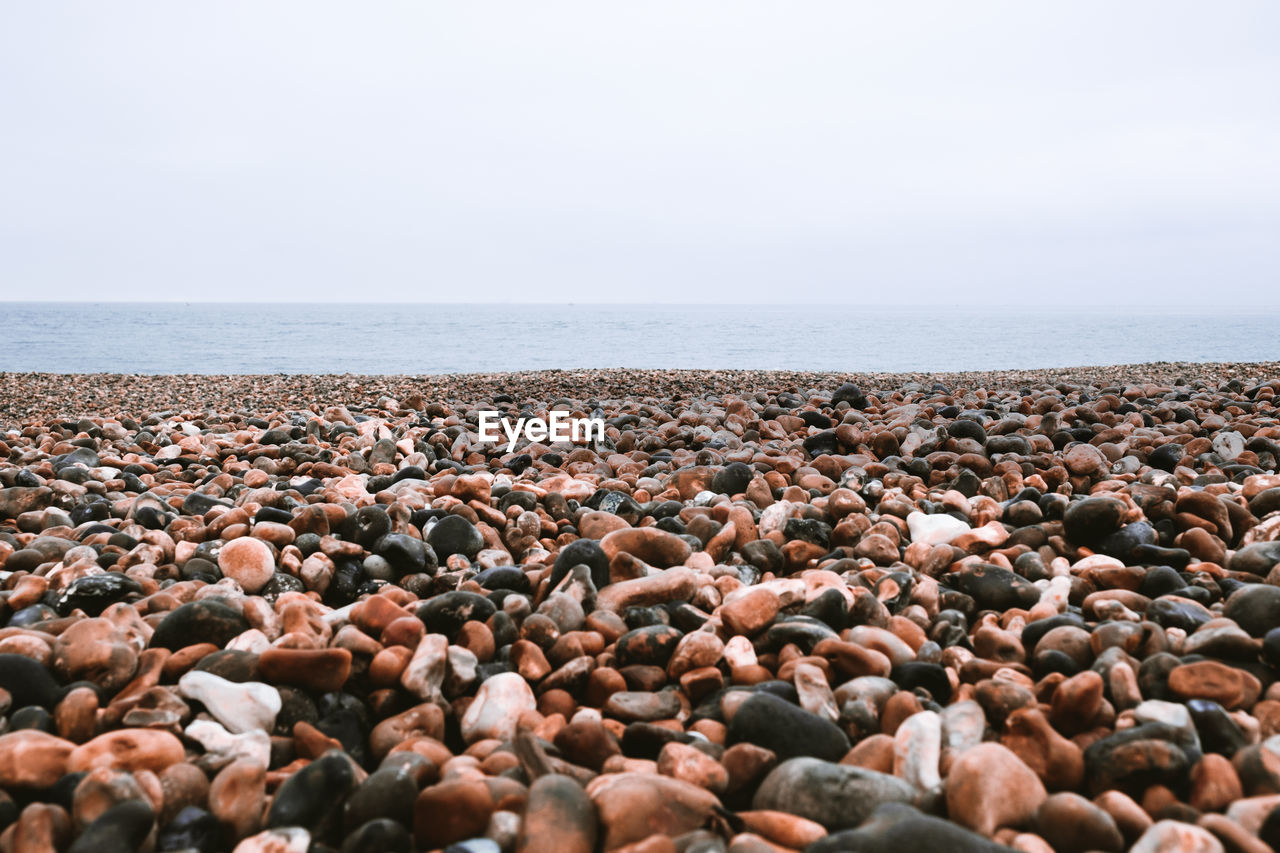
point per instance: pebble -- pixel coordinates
(989, 787)
(835, 795)
(559, 818)
(244, 707)
(248, 562)
(499, 703)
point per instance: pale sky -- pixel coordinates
(696, 151)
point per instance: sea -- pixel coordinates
(273, 338)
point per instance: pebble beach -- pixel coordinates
(771, 611)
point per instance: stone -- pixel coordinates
(1255, 608)
(749, 613)
(288, 839)
(497, 708)
(95, 593)
(205, 621)
(940, 529)
(424, 675)
(1214, 784)
(1131, 760)
(236, 795)
(1166, 835)
(239, 707)
(1072, 824)
(28, 682)
(995, 588)
(917, 747)
(898, 827)
(247, 561)
(192, 828)
(388, 792)
(633, 806)
(321, 670)
(446, 613)
(453, 534)
(988, 787)
(1058, 761)
(1258, 558)
(382, 834)
(30, 758)
(642, 706)
(252, 746)
(451, 811)
(1230, 687)
(1091, 520)
(835, 795)
(120, 829)
(676, 584)
(127, 749)
(785, 729)
(650, 545)
(558, 818)
(95, 650)
(688, 764)
(313, 792)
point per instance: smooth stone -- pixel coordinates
(388, 792)
(1258, 558)
(497, 707)
(95, 593)
(838, 796)
(651, 645)
(787, 730)
(559, 817)
(938, 529)
(989, 787)
(453, 534)
(1255, 608)
(917, 747)
(247, 561)
(321, 670)
(448, 612)
(995, 588)
(203, 621)
(1089, 521)
(240, 707)
(312, 793)
(451, 811)
(120, 829)
(642, 706)
(192, 828)
(382, 834)
(128, 749)
(1170, 835)
(287, 839)
(633, 806)
(27, 682)
(1130, 762)
(1072, 824)
(897, 828)
(251, 746)
(30, 758)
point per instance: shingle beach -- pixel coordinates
(1036, 610)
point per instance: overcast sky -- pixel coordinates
(869, 152)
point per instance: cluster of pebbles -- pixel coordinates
(769, 612)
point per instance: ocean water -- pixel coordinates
(420, 339)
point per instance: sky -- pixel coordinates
(1016, 153)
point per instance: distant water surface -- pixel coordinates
(110, 337)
